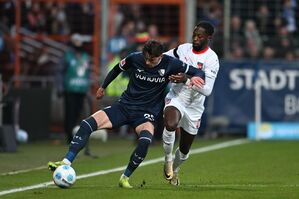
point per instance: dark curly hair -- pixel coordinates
(209, 28)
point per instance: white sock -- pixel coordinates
(66, 161)
(124, 176)
(168, 142)
(179, 158)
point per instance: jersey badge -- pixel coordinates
(199, 65)
(161, 72)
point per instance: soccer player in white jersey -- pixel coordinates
(184, 105)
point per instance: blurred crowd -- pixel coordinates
(258, 28)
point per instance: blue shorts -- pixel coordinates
(120, 115)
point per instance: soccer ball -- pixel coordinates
(100, 134)
(64, 176)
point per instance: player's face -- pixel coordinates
(152, 61)
(199, 39)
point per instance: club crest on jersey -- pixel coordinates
(161, 72)
(199, 65)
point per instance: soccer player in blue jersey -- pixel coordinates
(139, 104)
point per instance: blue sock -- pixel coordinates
(138, 155)
(87, 126)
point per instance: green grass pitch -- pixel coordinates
(255, 169)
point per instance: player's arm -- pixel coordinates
(113, 73)
(210, 77)
(173, 53)
(197, 75)
(178, 78)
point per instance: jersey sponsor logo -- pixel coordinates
(149, 116)
(161, 72)
(199, 65)
(150, 79)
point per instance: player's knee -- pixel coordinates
(170, 125)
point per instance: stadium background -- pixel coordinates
(251, 35)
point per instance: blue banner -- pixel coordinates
(277, 130)
(234, 95)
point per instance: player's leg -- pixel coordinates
(181, 154)
(172, 117)
(87, 126)
(145, 132)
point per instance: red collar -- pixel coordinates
(201, 51)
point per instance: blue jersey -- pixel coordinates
(146, 87)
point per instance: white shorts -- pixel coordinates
(190, 119)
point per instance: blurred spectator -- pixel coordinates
(7, 14)
(236, 38)
(59, 24)
(210, 10)
(283, 42)
(290, 56)
(80, 17)
(36, 18)
(268, 53)
(264, 22)
(288, 13)
(124, 38)
(75, 77)
(236, 33)
(236, 53)
(253, 39)
(153, 31)
(215, 14)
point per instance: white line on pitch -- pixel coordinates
(243, 185)
(23, 171)
(148, 162)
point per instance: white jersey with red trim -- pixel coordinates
(193, 98)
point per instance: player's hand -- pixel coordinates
(178, 78)
(100, 93)
(197, 81)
